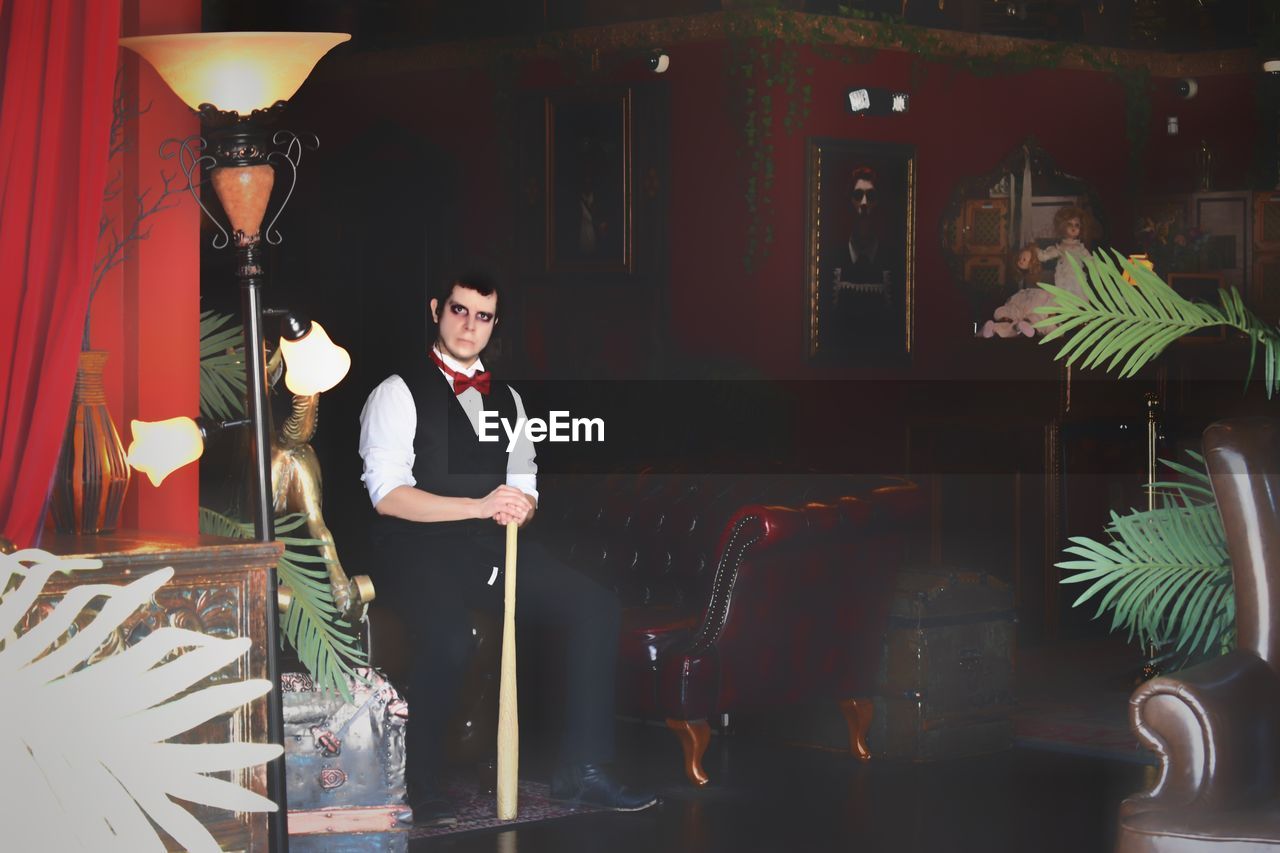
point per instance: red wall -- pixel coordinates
(962, 125)
(984, 461)
(147, 312)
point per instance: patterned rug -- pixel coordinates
(480, 811)
(1096, 725)
(1074, 697)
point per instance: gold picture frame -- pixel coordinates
(589, 221)
(860, 254)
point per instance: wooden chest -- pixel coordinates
(947, 677)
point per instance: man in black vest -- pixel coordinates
(443, 499)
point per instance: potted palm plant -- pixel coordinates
(1163, 574)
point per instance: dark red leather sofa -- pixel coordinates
(740, 593)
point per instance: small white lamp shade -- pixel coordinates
(313, 363)
(161, 447)
(234, 71)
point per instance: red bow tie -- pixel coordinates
(461, 381)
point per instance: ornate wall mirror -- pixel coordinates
(1007, 229)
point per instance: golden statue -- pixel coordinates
(296, 487)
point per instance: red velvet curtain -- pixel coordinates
(58, 60)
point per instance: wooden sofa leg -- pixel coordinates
(694, 736)
(857, 713)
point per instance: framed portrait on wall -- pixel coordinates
(592, 183)
(860, 258)
(589, 182)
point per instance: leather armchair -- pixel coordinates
(1216, 726)
(741, 593)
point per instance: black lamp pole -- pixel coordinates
(255, 374)
(234, 143)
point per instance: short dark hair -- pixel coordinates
(475, 276)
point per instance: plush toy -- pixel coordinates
(1018, 316)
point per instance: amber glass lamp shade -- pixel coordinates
(239, 72)
(161, 447)
(243, 192)
(313, 363)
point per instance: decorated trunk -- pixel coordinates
(948, 667)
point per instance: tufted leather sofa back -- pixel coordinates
(656, 538)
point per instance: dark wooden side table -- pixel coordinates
(219, 588)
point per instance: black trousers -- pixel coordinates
(434, 579)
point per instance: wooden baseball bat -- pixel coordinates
(508, 717)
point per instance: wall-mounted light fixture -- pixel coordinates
(876, 102)
(161, 447)
(313, 364)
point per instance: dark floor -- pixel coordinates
(768, 796)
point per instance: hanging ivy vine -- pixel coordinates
(763, 61)
(763, 55)
(771, 88)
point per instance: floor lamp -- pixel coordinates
(239, 83)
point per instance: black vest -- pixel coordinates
(449, 458)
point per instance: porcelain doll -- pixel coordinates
(1071, 225)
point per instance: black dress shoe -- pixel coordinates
(434, 810)
(590, 784)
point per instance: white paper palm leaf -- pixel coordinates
(82, 745)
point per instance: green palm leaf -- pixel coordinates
(324, 641)
(1122, 327)
(1165, 575)
(221, 366)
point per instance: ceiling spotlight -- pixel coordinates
(876, 102)
(659, 61)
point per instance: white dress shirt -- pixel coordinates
(389, 421)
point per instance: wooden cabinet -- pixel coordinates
(1264, 286)
(1225, 218)
(985, 274)
(986, 226)
(1266, 222)
(219, 588)
(1227, 245)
